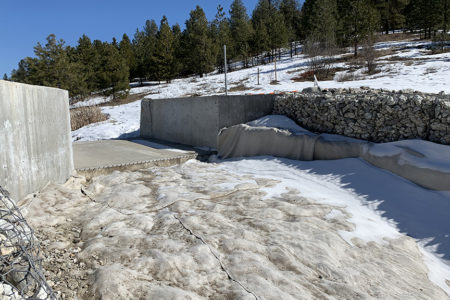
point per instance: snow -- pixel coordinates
(378, 213)
(373, 209)
(281, 228)
(416, 152)
(123, 122)
(426, 73)
(92, 101)
(280, 122)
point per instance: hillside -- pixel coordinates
(401, 65)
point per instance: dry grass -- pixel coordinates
(309, 75)
(83, 116)
(396, 37)
(238, 88)
(127, 99)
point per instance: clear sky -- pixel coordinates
(23, 23)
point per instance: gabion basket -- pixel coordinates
(20, 263)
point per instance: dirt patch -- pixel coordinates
(239, 88)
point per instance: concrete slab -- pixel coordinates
(103, 157)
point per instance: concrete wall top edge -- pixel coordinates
(12, 83)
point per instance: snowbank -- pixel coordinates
(425, 163)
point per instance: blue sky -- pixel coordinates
(24, 23)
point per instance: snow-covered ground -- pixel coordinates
(260, 227)
(280, 228)
(422, 72)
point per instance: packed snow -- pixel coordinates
(260, 227)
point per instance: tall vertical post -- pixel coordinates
(225, 68)
(258, 75)
(276, 77)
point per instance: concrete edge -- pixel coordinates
(89, 173)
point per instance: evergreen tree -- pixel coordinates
(222, 36)
(164, 58)
(391, 13)
(88, 58)
(5, 77)
(320, 21)
(359, 22)
(178, 48)
(428, 16)
(126, 51)
(113, 71)
(291, 14)
(52, 67)
(151, 28)
(241, 30)
(199, 56)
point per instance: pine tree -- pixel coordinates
(292, 18)
(428, 16)
(178, 48)
(320, 21)
(199, 56)
(241, 30)
(261, 21)
(221, 32)
(52, 67)
(113, 71)
(359, 22)
(164, 58)
(88, 58)
(126, 51)
(391, 13)
(5, 77)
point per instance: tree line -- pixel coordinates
(163, 52)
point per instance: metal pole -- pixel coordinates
(225, 68)
(258, 76)
(276, 77)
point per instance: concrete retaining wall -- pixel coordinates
(196, 121)
(35, 143)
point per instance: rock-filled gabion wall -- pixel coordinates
(374, 115)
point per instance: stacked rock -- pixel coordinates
(371, 114)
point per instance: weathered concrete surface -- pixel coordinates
(103, 157)
(35, 142)
(197, 121)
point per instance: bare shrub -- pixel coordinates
(347, 76)
(309, 75)
(441, 43)
(83, 116)
(368, 55)
(320, 55)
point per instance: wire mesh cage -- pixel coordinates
(20, 261)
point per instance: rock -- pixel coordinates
(406, 114)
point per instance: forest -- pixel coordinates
(163, 52)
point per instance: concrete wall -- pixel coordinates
(196, 121)
(35, 142)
